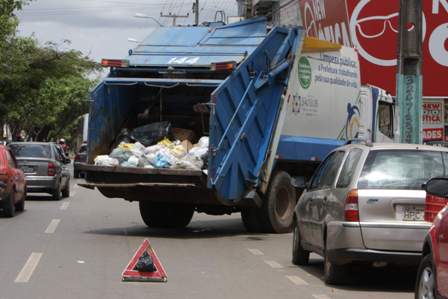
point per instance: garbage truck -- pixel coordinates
(271, 102)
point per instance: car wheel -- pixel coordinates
(57, 193)
(20, 206)
(278, 209)
(333, 273)
(9, 209)
(66, 190)
(300, 256)
(426, 280)
(165, 215)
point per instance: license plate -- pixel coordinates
(411, 213)
(27, 169)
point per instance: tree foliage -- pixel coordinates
(43, 89)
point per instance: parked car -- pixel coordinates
(45, 167)
(12, 184)
(81, 157)
(432, 277)
(365, 204)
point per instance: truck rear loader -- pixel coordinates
(272, 102)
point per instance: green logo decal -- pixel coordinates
(304, 72)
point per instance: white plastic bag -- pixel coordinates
(204, 142)
(105, 160)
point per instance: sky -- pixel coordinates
(101, 28)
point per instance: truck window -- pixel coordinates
(386, 119)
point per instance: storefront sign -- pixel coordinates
(433, 120)
(372, 27)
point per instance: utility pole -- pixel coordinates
(196, 12)
(409, 78)
(174, 16)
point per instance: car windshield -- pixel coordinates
(31, 150)
(400, 169)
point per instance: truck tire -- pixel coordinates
(252, 220)
(159, 215)
(279, 204)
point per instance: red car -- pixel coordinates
(12, 184)
(432, 278)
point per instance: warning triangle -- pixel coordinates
(132, 274)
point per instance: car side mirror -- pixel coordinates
(437, 187)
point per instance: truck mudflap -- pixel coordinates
(246, 113)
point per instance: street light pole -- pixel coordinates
(196, 12)
(409, 77)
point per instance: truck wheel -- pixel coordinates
(252, 220)
(279, 205)
(300, 256)
(165, 215)
(9, 209)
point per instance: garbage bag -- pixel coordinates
(162, 159)
(153, 149)
(200, 152)
(104, 160)
(204, 141)
(145, 263)
(152, 133)
(123, 137)
(121, 154)
(132, 162)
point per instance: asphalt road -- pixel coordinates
(78, 248)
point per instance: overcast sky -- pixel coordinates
(101, 28)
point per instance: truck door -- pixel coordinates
(246, 109)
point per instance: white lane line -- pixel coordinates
(73, 194)
(274, 264)
(64, 206)
(29, 267)
(321, 296)
(255, 251)
(76, 186)
(296, 280)
(52, 226)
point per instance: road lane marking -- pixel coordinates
(321, 296)
(29, 267)
(65, 205)
(76, 186)
(274, 264)
(52, 226)
(73, 194)
(297, 280)
(255, 251)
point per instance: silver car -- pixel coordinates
(45, 167)
(365, 203)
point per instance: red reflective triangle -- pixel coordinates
(129, 274)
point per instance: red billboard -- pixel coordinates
(371, 26)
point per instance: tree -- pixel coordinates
(43, 90)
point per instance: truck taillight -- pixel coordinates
(51, 169)
(114, 62)
(223, 66)
(351, 206)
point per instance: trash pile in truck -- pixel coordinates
(150, 147)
